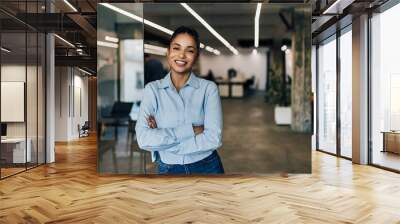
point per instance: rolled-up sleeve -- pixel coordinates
(157, 139)
(211, 138)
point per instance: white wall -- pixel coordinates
(70, 83)
(246, 63)
(12, 73)
(33, 106)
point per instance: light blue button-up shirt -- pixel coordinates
(197, 103)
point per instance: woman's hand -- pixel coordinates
(151, 121)
(198, 129)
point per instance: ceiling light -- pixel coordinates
(84, 71)
(257, 25)
(137, 18)
(156, 48)
(216, 52)
(215, 33)
(284, 47)
(107, 44)
(64, 40)
(150, 51)
(71, 6)
(5, 50)
(142, 20)
(210, 49)
(112, 39)
(331, 7)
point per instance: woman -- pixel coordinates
(180, 118)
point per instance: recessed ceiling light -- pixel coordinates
(84, 71)
(161, 50)
(215, 33)
(140, 19)
(65, 41)
(107, 44)
(70, 5)
(111, 39)
(335, 4)
(5, 50)
(210, 49)
(257, 25)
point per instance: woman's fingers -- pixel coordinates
(198, 129)
(151, 122)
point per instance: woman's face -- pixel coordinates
(182, 53)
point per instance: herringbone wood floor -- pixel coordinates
(70, 191)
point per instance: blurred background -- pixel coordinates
(259, 55)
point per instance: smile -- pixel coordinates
(180, 63)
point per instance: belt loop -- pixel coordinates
(186, 169)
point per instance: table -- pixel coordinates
(391, 141)
(231, 88)
(13, 150)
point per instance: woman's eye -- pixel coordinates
(175, 48)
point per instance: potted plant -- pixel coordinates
(278, 94)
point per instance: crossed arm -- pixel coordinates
(185, 138)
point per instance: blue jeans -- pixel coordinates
(210, 165)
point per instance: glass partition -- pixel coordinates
(120, 85)
(22, 90)
(327, 95)
(14, 153)
(31, 97)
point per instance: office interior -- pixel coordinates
(53, 98)
(249, 79)
(49, 158)
(355, 81)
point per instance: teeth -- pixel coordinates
(180, 62)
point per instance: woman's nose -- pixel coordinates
(181, 54)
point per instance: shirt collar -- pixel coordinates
(167, 82)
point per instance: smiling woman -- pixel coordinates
(180, 118)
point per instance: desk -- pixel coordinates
(231, 88)
(391, 141)
(13, 150)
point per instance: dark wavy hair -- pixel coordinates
(192, 32)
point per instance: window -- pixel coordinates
(327, 96)
(385, 88)
(346, 92)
